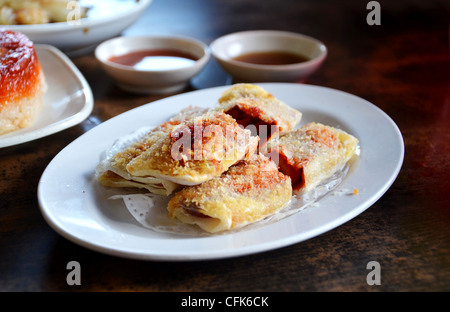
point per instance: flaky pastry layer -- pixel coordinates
(247, 192)
(312, 153)
(251, 105)
(180, 152)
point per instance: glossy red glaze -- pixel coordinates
(19, 67)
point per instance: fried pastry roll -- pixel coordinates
(112, 171)
(247, 192)
(312, 153)
(252, 106)
(180, 152)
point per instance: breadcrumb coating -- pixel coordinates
(247, 192)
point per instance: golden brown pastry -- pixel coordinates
(312, 153)
(252, 106)
(112, 172)
(247, 192)
(180, 152)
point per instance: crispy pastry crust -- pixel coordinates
(214, 142)
(247, 192)
(312, 153)
(180, 152)
(252, 105)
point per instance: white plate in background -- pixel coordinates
(76, 207)
(105, 19)
(67, 101)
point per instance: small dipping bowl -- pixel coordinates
(269, 44)
(172, 61)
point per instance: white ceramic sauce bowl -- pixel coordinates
(152, 81)
(226, 48)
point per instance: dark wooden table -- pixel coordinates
(402, 66)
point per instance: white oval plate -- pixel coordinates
(67, 101)
(105, 19)
(76, 207)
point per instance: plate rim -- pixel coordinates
(59, 125)
(241, 251)
(64, 26)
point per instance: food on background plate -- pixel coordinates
(247, 192)
(178, 153)
(251, 105)
(22, 82)
(28, 12)
(312, 153)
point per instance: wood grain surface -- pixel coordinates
(402, 66)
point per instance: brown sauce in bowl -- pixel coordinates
(271, 58)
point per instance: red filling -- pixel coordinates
(193, 210)
(294, 172)
(251, 116)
